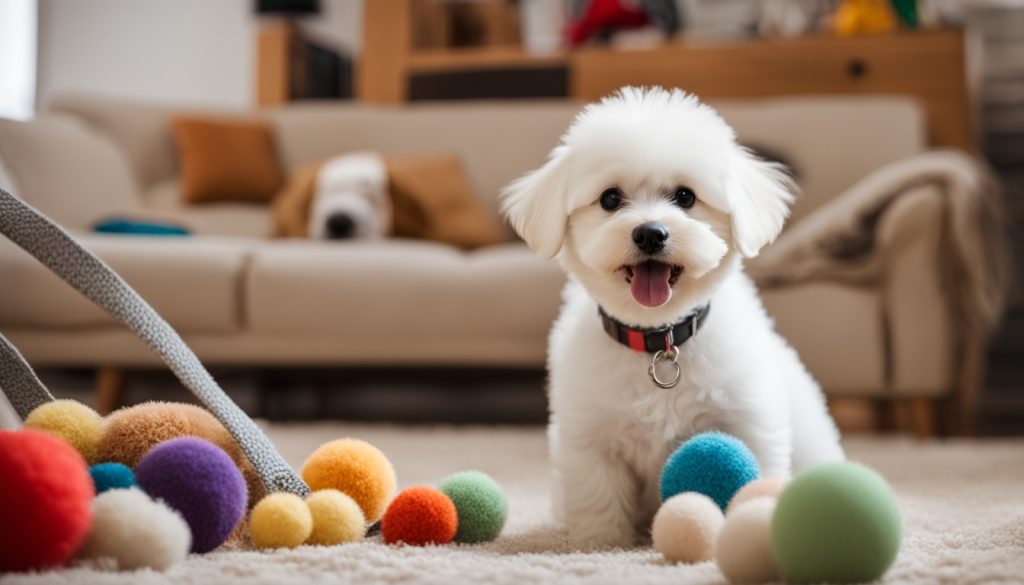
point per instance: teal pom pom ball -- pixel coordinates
(111, 476)
(714, 464)
(480, 504)
(836, 523)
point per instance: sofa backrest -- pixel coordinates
(831, 141)
(71, 173)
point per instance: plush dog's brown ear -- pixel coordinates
(760, 194)
(536, 205)
(290, 210)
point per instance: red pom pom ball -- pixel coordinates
(45, 497)
(419, 516)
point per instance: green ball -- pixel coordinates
(480, 504)
(836, 523)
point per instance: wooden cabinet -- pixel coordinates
(929, 65)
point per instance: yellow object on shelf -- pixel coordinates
(863, 17)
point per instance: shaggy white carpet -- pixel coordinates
(962, 503)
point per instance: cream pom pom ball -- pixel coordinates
(744, 548)
(686, 526)
(765, 486)
(136, 531)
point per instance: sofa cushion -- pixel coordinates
(226, 159)
(433, 201)
(213, 219)
(140, 129)
(838, 332)
(67, 171)
(193, 283)
(402, 298)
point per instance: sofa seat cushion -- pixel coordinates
(412, 300)
(838, 332)
(164, 202)
(193, 283)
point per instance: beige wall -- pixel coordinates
(188, 52)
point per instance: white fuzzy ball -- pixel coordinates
(136, 531)
(744, 548)
(686, 526)
(759, 488)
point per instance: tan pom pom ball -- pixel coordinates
(744, 548)
(759, 488)
(686, 526)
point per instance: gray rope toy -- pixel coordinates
(62, 254)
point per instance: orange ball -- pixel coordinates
(419, 516)
(355, 468)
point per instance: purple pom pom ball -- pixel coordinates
(201, 482)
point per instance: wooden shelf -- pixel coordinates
(930, 66)
(440, 60)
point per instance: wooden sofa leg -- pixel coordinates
(923, 414)
(886, 415)
(110, 383)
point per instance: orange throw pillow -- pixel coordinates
(433, 201)
(227, 160)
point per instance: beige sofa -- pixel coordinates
(240, 298)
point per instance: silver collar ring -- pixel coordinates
(669, 355)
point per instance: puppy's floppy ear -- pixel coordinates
(760, 193)
(536, 205)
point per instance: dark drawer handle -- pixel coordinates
(856, 68)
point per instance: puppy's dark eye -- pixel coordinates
(611, 199)
(684, 197)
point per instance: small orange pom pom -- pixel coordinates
(419, 516)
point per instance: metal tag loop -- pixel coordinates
(670, 355)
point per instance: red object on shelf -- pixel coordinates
(603, 15)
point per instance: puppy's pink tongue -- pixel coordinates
(650, 285)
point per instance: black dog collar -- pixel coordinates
(655, 340)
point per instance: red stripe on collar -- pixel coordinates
(654, 339)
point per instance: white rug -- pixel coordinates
(963, 507)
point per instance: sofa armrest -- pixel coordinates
(918, 318)
(925, 233)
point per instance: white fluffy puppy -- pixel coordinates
(350, 199)
(650, 205)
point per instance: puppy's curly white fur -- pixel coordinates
(665, 164)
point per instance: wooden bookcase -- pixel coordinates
(928, 65)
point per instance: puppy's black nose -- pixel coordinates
(650, 237)
(340, 226)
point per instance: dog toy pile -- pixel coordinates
(354, 485)
(185, 493)
(836, 522)
(153, 482)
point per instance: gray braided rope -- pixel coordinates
(55, 248)
(18, 381)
